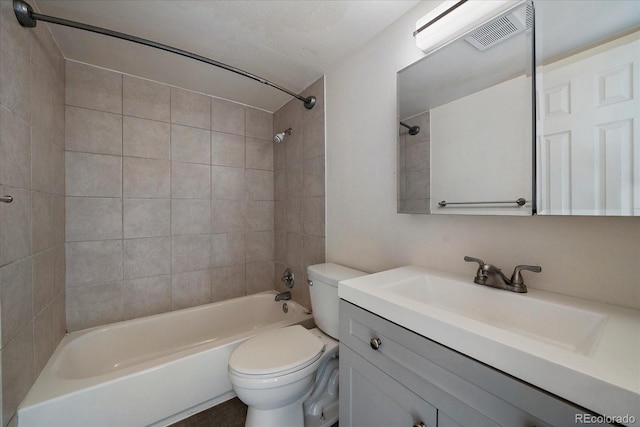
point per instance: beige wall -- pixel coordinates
(299, 179)
(32, 256)
(594, 258)
(169, 198)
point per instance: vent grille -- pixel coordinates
(501, 29)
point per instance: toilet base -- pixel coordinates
(291, 415)
(330, 415)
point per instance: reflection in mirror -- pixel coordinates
(588, 84)
(473, 102)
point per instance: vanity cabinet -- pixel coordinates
(390, 376)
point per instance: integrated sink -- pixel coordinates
(561, 325)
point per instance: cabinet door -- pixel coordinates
(370, 398)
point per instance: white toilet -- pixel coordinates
(277, 371)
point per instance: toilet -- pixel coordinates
(289, 376)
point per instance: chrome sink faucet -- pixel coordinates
(490, 275)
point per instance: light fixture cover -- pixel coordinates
(457, 22)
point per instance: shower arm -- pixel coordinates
(28, 18)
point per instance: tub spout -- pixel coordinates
(283, 296)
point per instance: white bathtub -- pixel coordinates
(150, 371)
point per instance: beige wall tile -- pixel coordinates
(146, 296)
(258, 124)
(280, 215)
(259, 246)
(314, 252)
(93, 131)
(96, 175)
(295, 246)
(293, 215)
(278, 156)
(15, 226)
(227, 249)
(44, 289)
(280, 184)
(294, 150)
(280, 246)
(227, 183)
(314, 216)
(313, 137)
(150, 256)
(146, 178)
(93, 218)
(259, 215)
(146, 99)
(58, 219)
(94, 305)
(15, 150)
(93, 87)
(189, 144)
(227, 116)
(57, 170)
(259, 276)
(190, 181)
(294, 181)
(190, 253)
(259, 184)
(44, 335)
(227, 216)
(17, 371)
(314, 177)
(93, 262)
(227, 150)
(146, 138)
(190, 108)
(15, 78)
(146, 218)
(190, 289)
(16, 297)
(190, 216)
(227, 282)
(41, 221)
(41, 162)
(259, 154)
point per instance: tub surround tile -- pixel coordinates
(44, 280)
(146, 296)
(89, 306)
(280, 245)
(227, 116)
(259, 246)
(146, 178)
(294, 181)
(93, 262)
(93, 131)
(279, 184)
(93, 218)
(228, 249)
(258, 276)
(190, 216)
(313, 137)
(313, 177)
(227, 183)
(42, 152)
(227, 216)
(41, 221)
(259, 154)
(16, 297)
(278, 156)
(190, 181)
(18, 372)
(146, 218)
(259, 184)
(93, 87)
(314, 216)
(227, 150)
(294, 215)
(280, 215)
(15, 150)
(147, 257)
(227, 282)
(190, 289)
(93, 175)
(145, 138)
(189, 144)
(15, 83)
(313, 252)
(259, 215)
(15, 226)
(294, 148)
(258, 124)
(146, 99)
(58, 219)
(190, 109)
(190, 253)
(294, 250)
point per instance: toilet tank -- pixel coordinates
(323, 290)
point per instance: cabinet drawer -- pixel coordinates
(467, 391)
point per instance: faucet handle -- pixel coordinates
(472, 259)
(516, 277)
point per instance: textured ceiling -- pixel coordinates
(291, 43)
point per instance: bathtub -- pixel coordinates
(150, 371)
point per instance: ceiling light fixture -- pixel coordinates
(453, 18)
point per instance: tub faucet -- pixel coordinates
(283, 296)
(490, 275)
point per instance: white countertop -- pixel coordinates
(602, 375)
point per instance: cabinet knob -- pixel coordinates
(420, 424)
(375, 343)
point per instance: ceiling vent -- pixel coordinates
(501, 29)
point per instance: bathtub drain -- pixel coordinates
(285, 307)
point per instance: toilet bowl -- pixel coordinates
(289, 376)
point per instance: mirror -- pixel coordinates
(475, 110)
(472, 100)
(588, 95)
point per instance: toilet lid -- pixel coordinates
(276, 351)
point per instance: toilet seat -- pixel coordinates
(276, 353)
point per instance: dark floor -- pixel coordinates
(231, 413)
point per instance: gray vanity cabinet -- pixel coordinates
(408, 380)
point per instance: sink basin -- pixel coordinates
(570, 328)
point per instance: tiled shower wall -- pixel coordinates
(299, 163)
(32, 256)
(170, 198)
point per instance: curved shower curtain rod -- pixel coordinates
(28, 18)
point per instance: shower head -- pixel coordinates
(413, 130)
(279, 137)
